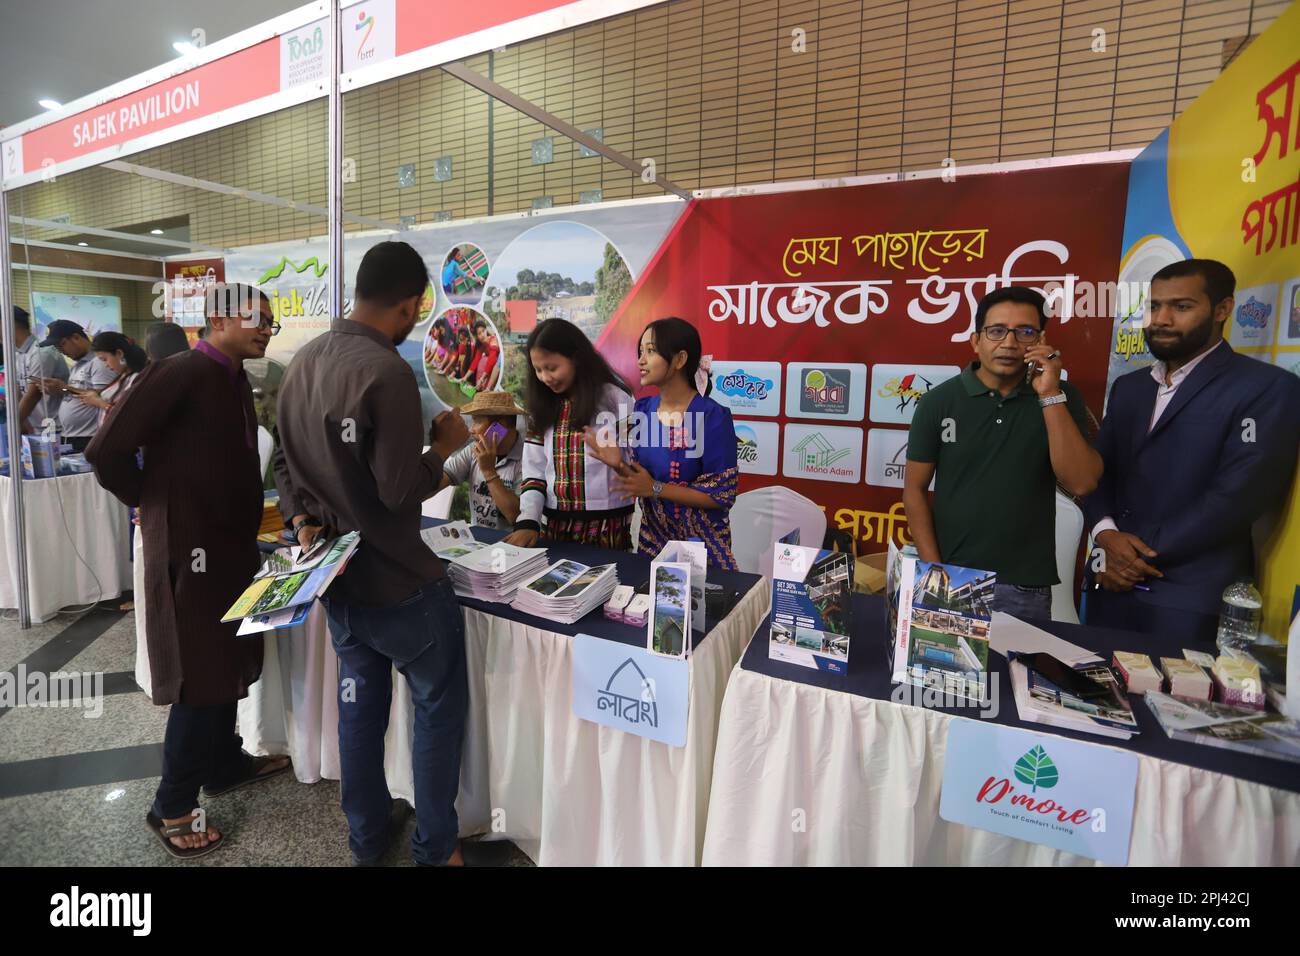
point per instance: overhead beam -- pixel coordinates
(530, 109)
(75, 229)
(251, 195)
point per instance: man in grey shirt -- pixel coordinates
(351, 459)
(88, 373)
(34, 364)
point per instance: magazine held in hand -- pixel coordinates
(944, 622)
(288, 582)
(811, 610)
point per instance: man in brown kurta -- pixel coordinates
(199, 492)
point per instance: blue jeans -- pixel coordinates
(1023, 601)
(424, 638)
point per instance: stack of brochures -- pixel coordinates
(493, 572)
(567, 591)
(1094, 702)
(1262, 733)
(281, 594)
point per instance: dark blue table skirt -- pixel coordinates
(633, 569)
(870, 666)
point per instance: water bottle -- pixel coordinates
(1239, 617)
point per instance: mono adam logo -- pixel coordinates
(816, 454)
(76, 909)
(826, 452)
(630, 695)
(825, 391)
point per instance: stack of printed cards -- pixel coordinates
(616, 606)
(1139, 673)
(1186, 680)
(493, 572)
(567, 591)
(1238, 683)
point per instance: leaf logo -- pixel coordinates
(1036, 769)
(277, 270)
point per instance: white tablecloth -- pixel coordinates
(566, 791)
(77, 545)
(866, 775)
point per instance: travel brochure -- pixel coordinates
(943, 623)
(811, 609)
(567, 591)
(1263, 734)
(291, 578)
(676, 599)
(669, 622)
(451, 540)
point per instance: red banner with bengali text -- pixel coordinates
(830, 312)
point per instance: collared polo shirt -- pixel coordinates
(995, 490)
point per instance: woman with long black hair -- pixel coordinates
(572, 387)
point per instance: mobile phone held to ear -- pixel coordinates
(496, 431)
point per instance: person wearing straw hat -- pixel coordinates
(492, 463)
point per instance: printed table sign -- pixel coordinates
(630, 689)
(1066, 794)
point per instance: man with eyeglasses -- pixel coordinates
(996, 440)
(1198, 448)
(198, 486)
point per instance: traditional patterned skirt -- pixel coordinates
(600, 529)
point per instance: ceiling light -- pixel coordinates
(184, 47)
(49, 104)
(83, 243)
(155, 232)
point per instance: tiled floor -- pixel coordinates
(74, 789)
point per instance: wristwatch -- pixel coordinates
(1056, 399)
(657, 487)
(299, 525)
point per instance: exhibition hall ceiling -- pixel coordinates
(64, 49)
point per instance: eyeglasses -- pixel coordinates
(1024, 333)
(262, 323)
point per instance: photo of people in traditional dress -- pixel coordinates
(462, 355)
(557, 270)
(464, 273)
(671, 591)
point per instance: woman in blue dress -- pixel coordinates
(680, 448)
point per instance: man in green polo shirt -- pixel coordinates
(996, 446)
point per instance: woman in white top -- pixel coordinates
(125, 359)
(566, 494)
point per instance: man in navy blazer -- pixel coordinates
(1196, 448)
